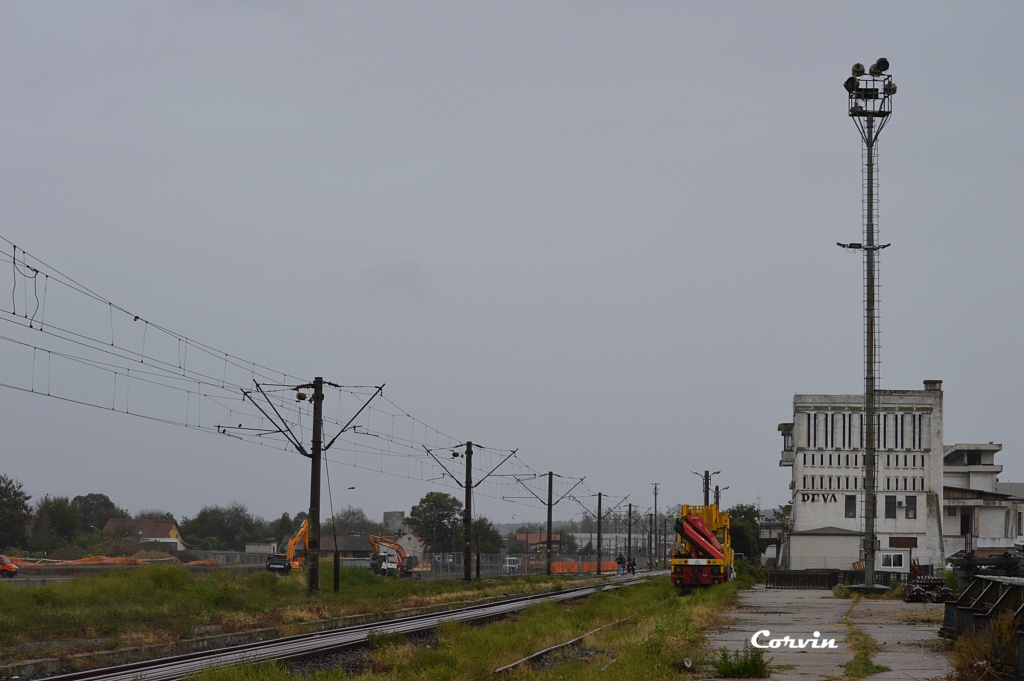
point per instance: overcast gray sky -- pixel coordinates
(600, 233)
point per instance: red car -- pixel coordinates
(7, 568)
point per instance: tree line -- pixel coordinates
(53, 522)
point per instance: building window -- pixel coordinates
(854, 460)
(851, 505)
(812, 482)
(892, 560)
(911, 505)
(951, 511)
(888, 483)
(830, 482)
(847, 459)
(890, 506)
(888, 460)
(847, 482)
(805, 458)
(805, 483)
(821, 482)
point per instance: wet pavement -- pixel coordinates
(906, 633)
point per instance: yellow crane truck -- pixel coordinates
(702, 555)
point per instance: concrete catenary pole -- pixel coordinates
(313, 531)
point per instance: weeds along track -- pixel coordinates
(540, 654)
(323, 642)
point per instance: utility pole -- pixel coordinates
(467, 522)
(650, 541)
(551, 482)
(315, 456)
(664, 539)
(598, 533)
(655, 523)
(467, 519)
(313, 530)
(629, 530)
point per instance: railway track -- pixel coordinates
(305, 645)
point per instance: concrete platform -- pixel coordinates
(906, 633)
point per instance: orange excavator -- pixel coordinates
(389, 558)
(287, 561)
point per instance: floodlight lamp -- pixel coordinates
(850, 84)
(873, 71)
(889, 89)
(858, 69)
(882, 64)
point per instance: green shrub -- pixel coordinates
(748, 663)
(842, 591)
(172, 578)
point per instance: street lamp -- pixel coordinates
(718, 494)
(870, 104)
(706, 477)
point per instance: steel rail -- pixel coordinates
(304, 645)
(558, 646)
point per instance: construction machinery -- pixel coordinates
(390, 559)
(8, 568)
(285, 562)
(702, 554)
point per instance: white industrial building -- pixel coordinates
(929, 496)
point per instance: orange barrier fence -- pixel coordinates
(572, 567)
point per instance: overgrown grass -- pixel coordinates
(161, 603)
(980, 654)
(661, 631)
(863, 647)
(158, 603)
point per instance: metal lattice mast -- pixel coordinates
(870, 104)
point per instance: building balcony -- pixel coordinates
(788, 458)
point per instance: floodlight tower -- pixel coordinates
(870, 104)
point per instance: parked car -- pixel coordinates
(7, 568)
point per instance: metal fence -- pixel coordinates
(826, 579)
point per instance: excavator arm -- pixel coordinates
(303, 536)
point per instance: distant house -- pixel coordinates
(538, 541)
(349, 546)
(412, 544)
(163, 531)
(264, 546)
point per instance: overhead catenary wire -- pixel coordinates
(100, 354)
